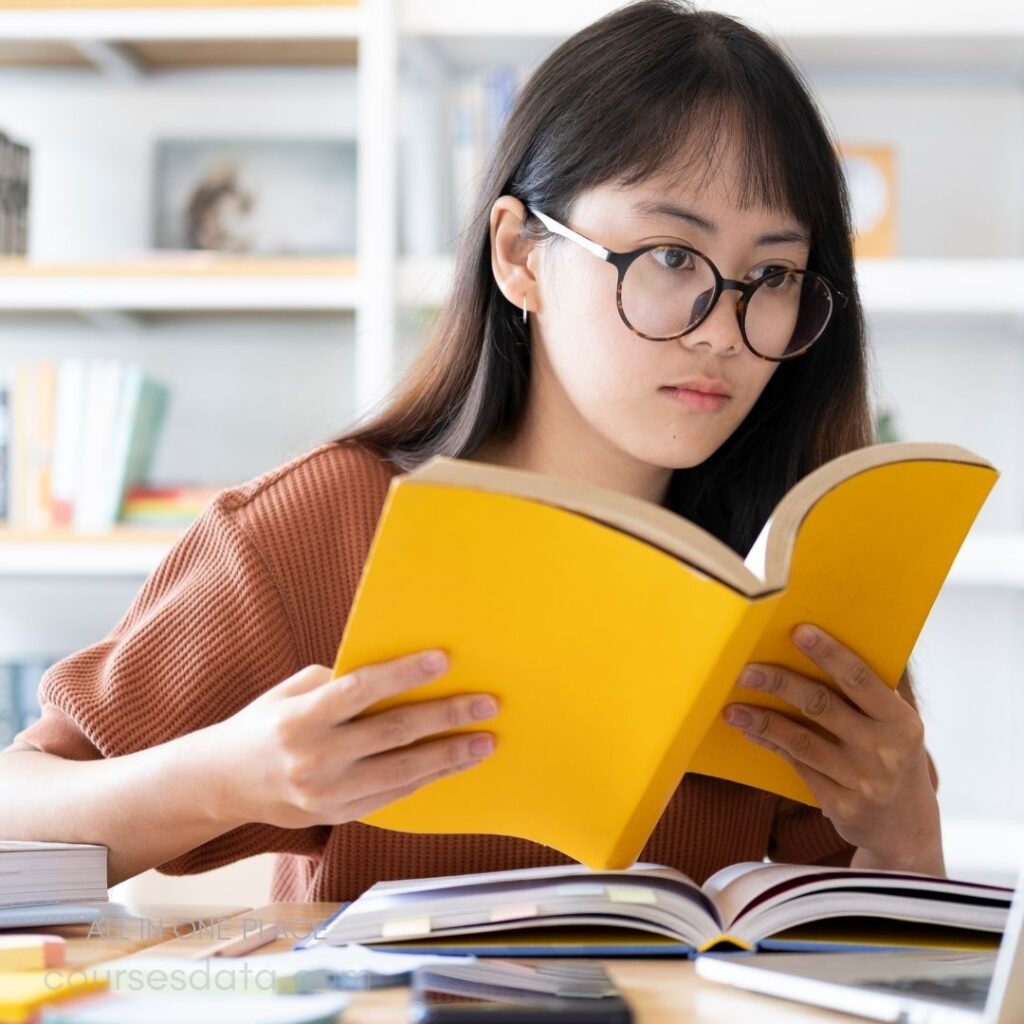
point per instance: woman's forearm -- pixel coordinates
(146, 808)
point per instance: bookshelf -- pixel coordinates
(947, 316)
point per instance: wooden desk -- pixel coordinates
(664, 991)
(127, 929)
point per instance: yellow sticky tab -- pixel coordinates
(406, 928)
(580, 889)
(514, 911)
(631, 894)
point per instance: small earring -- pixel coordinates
(524, 309)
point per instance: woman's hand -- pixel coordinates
(296, 757)
(865, 763)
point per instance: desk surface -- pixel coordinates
(660, 991)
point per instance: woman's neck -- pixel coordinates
(622, 474)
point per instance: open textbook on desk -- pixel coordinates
(654, 910)
(613, 630)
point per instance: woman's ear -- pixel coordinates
(511, 252)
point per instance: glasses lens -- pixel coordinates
(786, 312)
(666, 290)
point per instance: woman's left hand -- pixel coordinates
(867, 766)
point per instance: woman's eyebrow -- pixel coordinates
(660, 208)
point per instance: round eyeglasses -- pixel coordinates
(667, 290)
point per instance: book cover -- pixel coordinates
(612, 631)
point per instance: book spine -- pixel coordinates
(154, 400)
(40, 483)
(102, 382)
(68, 430)
(21, 446)
(8, 705)
(21, 204)
(5, 452)
(129, 397)
(27, 677)
(6, 208)
(466, 146)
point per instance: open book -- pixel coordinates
(650, 909)
(613, 631)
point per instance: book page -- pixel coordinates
(760, 899)
(758, 554)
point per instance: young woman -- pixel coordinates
(655, 292)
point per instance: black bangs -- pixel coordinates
(661, 96)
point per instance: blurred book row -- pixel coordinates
(478, 106)
(77, 440)
(19, 700)
(14, 178)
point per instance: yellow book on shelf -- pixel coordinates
(613, 630)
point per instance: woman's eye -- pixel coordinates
(765, 271)
(671, 258)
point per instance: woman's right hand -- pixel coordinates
(305, 761)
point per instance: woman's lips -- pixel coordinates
(699, 400)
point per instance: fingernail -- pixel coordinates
(806, 637)
(433, 661)
(481, 746)
(752, 677)
(737, 716)
(484, 707)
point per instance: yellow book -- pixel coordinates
(613, 630)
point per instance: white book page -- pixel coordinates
(755, 560)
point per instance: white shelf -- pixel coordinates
(985, 38)
(282, 285)
(990, 559)
(795, 18)
(928, 287)
(987, 559)
(985, 287)
(79, 22)
(83, 556)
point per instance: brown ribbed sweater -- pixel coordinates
(259, 587)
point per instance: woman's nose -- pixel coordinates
(721, 328)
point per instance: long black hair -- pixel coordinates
(654, 87)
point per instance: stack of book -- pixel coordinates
(14, 173)
(36, 874)
(19, 700)
(165, 507)
(75, 434)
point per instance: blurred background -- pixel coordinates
(226, 227)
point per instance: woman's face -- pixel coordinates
(594, 377)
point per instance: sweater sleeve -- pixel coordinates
(206, 634)
(803, 835)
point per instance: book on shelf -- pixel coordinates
(19, 695)
(36, 874)
(15, 163)
(165, 505)
(81, 433)
(653, 910)
(480, 107)
(613, 631)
